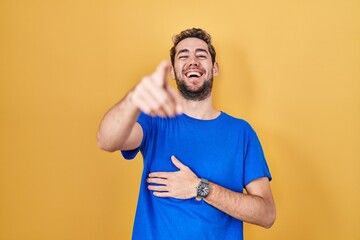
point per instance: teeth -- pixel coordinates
(197, 74)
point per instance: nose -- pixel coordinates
(193, 61)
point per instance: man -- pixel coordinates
(197, 159)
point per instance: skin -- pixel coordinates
(153, 95)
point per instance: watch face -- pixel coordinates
(203, 190)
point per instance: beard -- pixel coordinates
(198, 94)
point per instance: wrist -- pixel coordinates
(196, 184)
(203, 189)
(130, 103)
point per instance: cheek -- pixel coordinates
(178, 69)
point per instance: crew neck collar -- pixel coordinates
(202, 120)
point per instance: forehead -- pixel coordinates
(191, 44)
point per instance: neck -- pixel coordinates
(203, 110)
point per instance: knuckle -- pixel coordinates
(138, 88)
(145, 79)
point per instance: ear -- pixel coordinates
(172, 72)
(215, 69)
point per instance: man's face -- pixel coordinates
(193, 69)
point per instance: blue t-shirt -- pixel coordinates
(224, 150)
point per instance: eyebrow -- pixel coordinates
(196, 51)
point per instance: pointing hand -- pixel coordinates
(154, 96)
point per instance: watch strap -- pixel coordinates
(203, 181)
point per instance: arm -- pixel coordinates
(256, 207)
(119, 130)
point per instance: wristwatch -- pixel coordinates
(203, 189)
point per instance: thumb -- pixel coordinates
(160, 75)
(177, 163)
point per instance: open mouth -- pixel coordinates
(193, 74)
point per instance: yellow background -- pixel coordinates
(291, 68)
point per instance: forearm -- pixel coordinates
(245, 207)
(152, 95)
(117, 124)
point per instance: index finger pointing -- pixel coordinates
(159, 76)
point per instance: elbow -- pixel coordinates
(103, 144)
(269, 224)
(105, 147)
(270, 219)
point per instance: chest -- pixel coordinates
(216, 154)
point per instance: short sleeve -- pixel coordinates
(255, 162)
(144, 121)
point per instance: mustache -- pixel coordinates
(200, 68)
